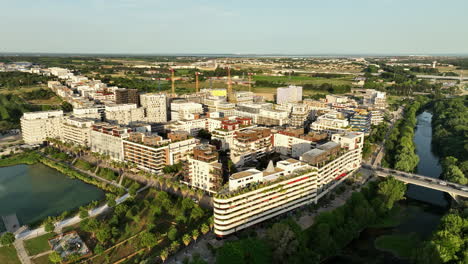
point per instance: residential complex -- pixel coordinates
(286, 155)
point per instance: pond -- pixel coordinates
(35, 192)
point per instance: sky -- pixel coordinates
(417, 27)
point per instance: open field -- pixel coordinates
(19, 91)
(300, 80)
(38, 245)
(8, 255)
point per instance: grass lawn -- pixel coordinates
(8, 255)
(42, 260)
(399, 245)
(39, 244)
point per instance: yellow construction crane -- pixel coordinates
(250, 81)
(230, 94)
(196, 81)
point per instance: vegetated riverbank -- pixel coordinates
(449, 242)
(33, 157)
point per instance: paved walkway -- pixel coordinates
(21, 251)
(41, 254)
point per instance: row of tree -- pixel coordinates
(400, 148)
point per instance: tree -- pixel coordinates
(98, 249)
(7, 239)
(49, 226)
(204, 134)
(391, 190)
(55, 257)
(186, 239)
(164, 254)
(195, 234)
(90, 225)
(148, 240)
(172, 233)
(197, 213)
(104, 233)
(204, 229)
(283, 241)
(67, 107)
(174, 246)
(83, 213)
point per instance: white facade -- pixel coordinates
(290, 94)
(36, 127)
(76, 131)
(330, 122)
(291, 146)
(124, 114)
(181, 109)
(155, 106)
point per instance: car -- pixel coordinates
(465, 189)
(443, 183)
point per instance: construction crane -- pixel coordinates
(196, 81)
(250, 81)
(173, 82)
(230, 95)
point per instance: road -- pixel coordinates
(420, 180)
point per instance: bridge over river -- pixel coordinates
(455, 190)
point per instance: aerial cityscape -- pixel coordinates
(185, 152)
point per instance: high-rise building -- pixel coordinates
(127, 96)
(36, 127)
(155, 106)
(204, 170)
(290, 94)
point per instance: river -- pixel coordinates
(35, 192)
(422, 208)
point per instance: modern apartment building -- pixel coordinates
(273, 117)
(155, 106)
(76, 130)
(36, 127)
(108, 139)
(361, 121)
(154, 157)
(250, 145)
(253, 196)
(331, 122)
(127, 96)
(124, 114)
(184, 110)
(299, 114)
(204, 170)
(290, 94)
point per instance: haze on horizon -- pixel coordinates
(255, 27)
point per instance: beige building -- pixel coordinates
(36, 127)
(204, 170)
(108, 139)
(76, 130)
(124, 114)
(250, 145)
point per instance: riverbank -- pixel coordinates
(34, 157)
